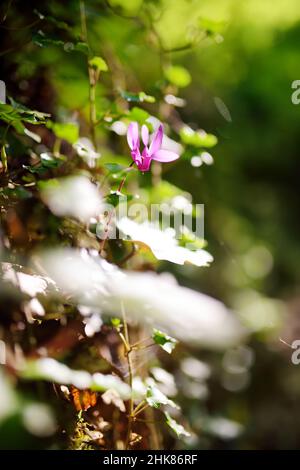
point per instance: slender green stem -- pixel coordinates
(93, 77)
(141, 410)
(140, 405)
(3, 150)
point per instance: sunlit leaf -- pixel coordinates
(163, 243)
(99, 64)
(197, 138)
(51, 370)
(166, 342)
(52, 20)
(211, 27)
(178, 75)
(155, 398)
(137, 97)
(41, 39)
(178, 429)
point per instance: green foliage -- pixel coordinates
(48, 162)
(98, 64)
(115, 198)
(211, 27)
(166, 342)
(115, 168)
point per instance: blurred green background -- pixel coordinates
(240, 59)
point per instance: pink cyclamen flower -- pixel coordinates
(150, 152)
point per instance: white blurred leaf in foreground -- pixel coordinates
(73, 196)
(149, 298)
(163, 244)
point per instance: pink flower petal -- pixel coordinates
(136, 156)
(133, 135)
(165, 156)
(145, 135)
(145, 165)
(157, 140)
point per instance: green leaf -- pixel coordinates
(15, 113)
(98, 64)
(54, 21)
(79, 46)
(138, 114)
(115, 198)
(137, 97)
(4, 157)
(178, 76)
(212, 28)
(115, 167)
(68, 131)
(155, 398)
(166, 342)
(116, 322)
(197, 138)
(43, 40)
(53, 371)
(32, 135)
(48, 161)
(178, 429)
